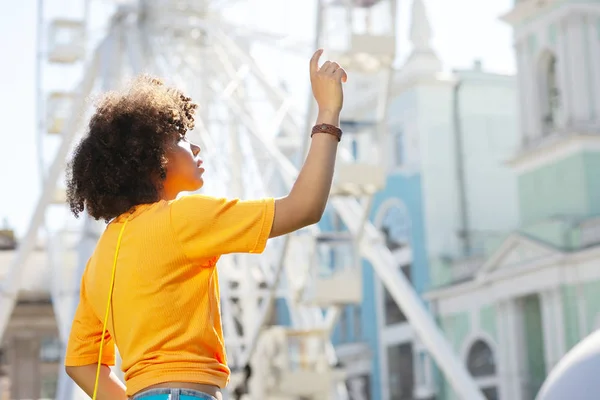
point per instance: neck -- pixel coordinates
(168, 194)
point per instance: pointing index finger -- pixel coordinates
(314, 62)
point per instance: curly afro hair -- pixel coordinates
(121, 161)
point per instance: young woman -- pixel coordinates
(164, 307)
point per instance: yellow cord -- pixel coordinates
(112, 283)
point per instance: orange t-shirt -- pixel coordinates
(166, 319)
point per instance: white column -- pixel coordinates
(548, 329)
(584, 329)
(532, 84)
(574, 30)
(553, 326)
(502, 353)
(509, 348)
(593, 50)
(559, 317)
(525, 99)
(562, 79)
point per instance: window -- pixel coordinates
(357, 320)
(393, 313)
(550, 93)
(421, 373)
(490, 393)
(480, 360)
(400, 371)
(482, 366)
(395, 227)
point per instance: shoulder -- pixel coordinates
(197, 200)
(219, 210)
(199, 207)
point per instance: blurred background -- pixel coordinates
(458, 255)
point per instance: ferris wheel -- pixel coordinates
(253, 131)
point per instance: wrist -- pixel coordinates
(328, 117)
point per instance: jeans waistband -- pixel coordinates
(172, 394)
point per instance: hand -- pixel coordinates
(326, 84)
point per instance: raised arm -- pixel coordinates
(305, 203)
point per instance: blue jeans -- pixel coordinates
(172, 394)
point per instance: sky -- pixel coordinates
(463, 30)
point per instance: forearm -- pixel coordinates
(109, 386)
(306, 202)
(312, 187)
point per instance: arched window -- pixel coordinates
(550, 93)
(480, 360)
(481, 364)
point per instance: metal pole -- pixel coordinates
(463, 233)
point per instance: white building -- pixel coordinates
(518, 309)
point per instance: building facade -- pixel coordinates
(434, 207)
(513, 310)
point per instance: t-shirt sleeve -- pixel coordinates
(209, 226)
(83, 347)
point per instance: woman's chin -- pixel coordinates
(191, 187)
